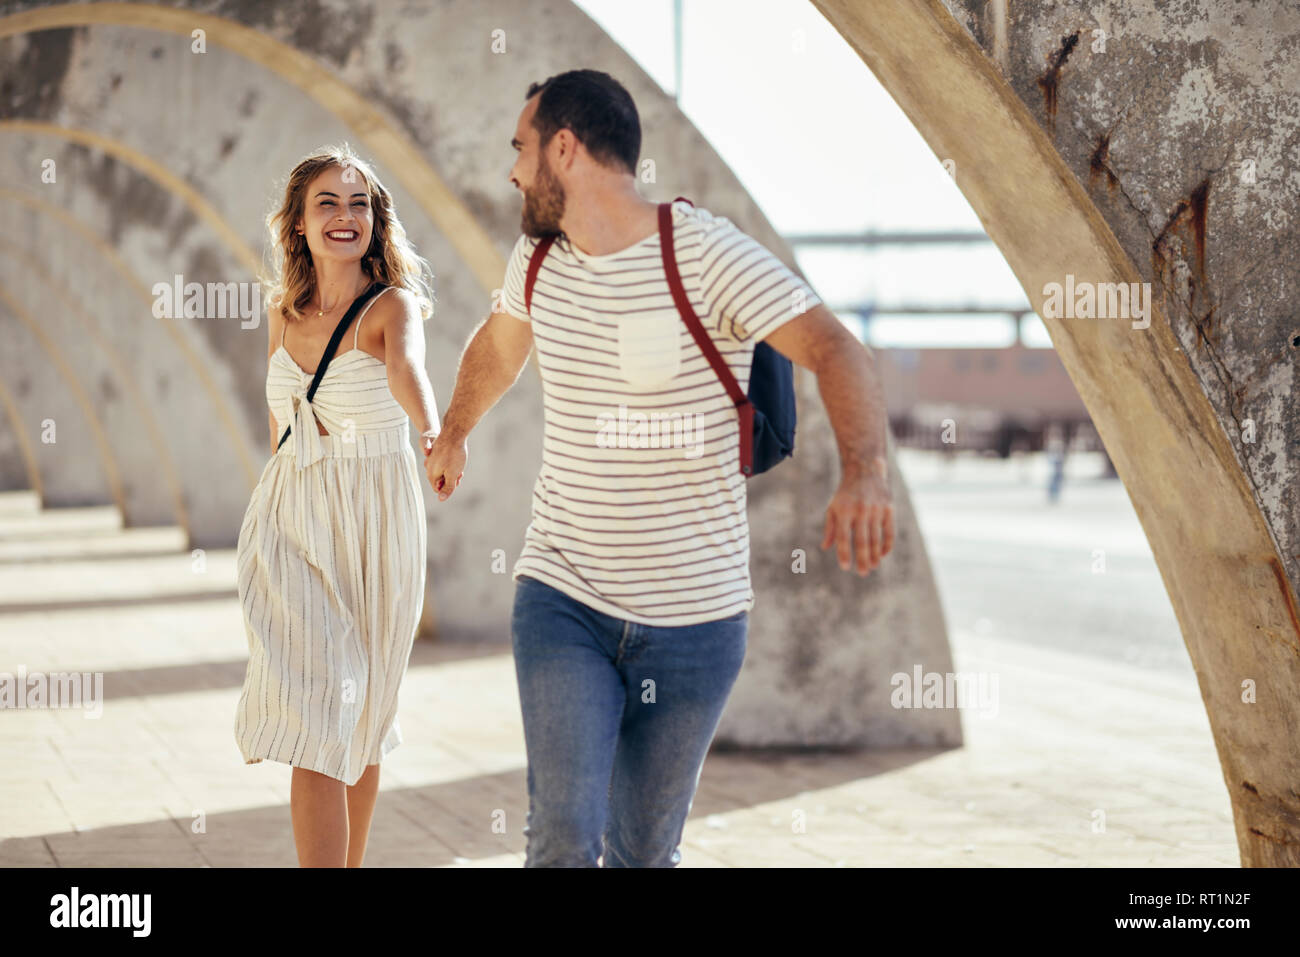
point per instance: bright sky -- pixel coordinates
(822, 147)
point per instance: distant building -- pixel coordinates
(998, 400)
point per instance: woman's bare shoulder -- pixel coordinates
(403, 301)
(395, 304)
(274, 327)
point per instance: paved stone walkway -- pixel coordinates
(1086, 763)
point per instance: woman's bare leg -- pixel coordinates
(361, 808)
(319, 809)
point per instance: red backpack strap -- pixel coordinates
(720, 368)
(534, 266)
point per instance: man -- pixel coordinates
(633, 590)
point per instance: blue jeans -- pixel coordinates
(618, 717)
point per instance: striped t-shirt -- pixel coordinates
(639, 507)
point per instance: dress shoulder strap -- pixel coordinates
(357, 332)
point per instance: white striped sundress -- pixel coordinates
(331, 570)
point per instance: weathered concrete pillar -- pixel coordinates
(1153, 143)
(170, 156)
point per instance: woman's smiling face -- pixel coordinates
(337, 218)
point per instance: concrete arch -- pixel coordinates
(381, 137)
(1220, 559)
(78, 434)
(191, 362)
(123, 380)
(72, 383)
(148, 166)
(14, 417)
(206, 214)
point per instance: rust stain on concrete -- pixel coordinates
(1099, 163)
(1186, 223)
(1050, 81)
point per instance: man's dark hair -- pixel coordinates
(596, 108)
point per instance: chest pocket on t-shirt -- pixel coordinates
(649, 347)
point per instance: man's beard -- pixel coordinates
(543, 204)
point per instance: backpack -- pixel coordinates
(767, 414)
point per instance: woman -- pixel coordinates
(331, 552)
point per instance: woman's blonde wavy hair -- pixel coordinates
(390, 259)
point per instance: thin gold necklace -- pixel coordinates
(321, 312)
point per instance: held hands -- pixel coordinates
(861, 508)
(444, 462)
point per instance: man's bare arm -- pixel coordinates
(855, 404)
(847, 381)
(489, 366)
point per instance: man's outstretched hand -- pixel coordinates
(862, 509)
(445, 464)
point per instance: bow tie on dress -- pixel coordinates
(305, 436)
